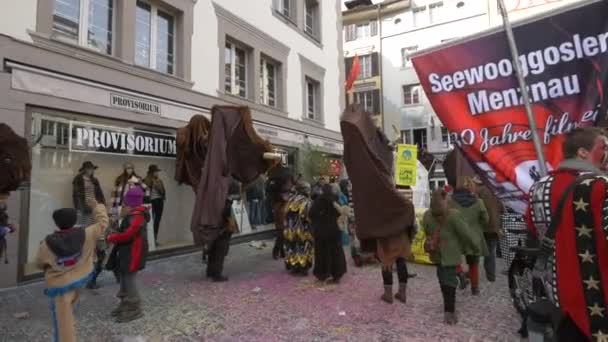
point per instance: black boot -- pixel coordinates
(131, 311)
(277, 250)
(92, 283)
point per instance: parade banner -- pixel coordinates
(406, 164)
(473, 89)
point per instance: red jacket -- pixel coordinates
(132, 241)
(581, 248)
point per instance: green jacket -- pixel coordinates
(455, 238)
(477, 219)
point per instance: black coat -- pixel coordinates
(78, 195)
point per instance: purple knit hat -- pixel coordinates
(134, 197)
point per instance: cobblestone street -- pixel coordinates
(263, 303)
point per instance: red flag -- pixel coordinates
(354, 73)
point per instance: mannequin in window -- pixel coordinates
(86, 188)
(124, 182)
(157, 196)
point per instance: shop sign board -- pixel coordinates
(134, 104)
(405, 165)
(92, 138)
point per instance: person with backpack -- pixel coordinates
(66, 256)
(447, 240)
(476, 217)
(567, 214)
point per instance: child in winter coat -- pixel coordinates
(129, 254)
(447, 239)
(476, 217)
(66, 256)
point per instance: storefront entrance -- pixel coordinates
(62, 143)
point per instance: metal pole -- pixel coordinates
(524, 91)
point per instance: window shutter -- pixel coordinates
(348, 64)
(373, 27)
(376, 101)
(375, 64)
(350, 36)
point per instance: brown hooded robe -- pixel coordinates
(234, 149)
(15, 162)
(192, 142)
(381, 213)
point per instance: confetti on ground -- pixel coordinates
(181, 305)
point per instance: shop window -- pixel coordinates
(363, 30)
(436, 12)
(88, 23)
(420, 138)
(312, 99)
(406, 62)
(61, 144)
(366, 67)
(406, 137)
(311, 19)
(445, 137)
(411, 94)
(370, 100)
(420, 16)
(350, 32)
(154, 38)
(235, 64)
(286, 8)
(268, 82)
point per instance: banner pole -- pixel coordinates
(522, 86)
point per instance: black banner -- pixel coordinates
(113, 140)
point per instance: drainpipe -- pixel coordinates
(380, 67)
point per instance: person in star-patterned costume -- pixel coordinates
(579, 266)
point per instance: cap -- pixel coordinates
(87, 165)
(65, 218)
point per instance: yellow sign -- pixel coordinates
(405, 165)
(418, 253)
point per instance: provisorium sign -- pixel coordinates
(104, 139)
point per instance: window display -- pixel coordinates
(74, 157)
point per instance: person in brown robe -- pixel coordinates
(235, 150)
(15, 162)
(280, 187)
(192, 146)
(385, 218)
(15, 171)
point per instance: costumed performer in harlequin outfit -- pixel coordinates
(578, 282)
(298, 242)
